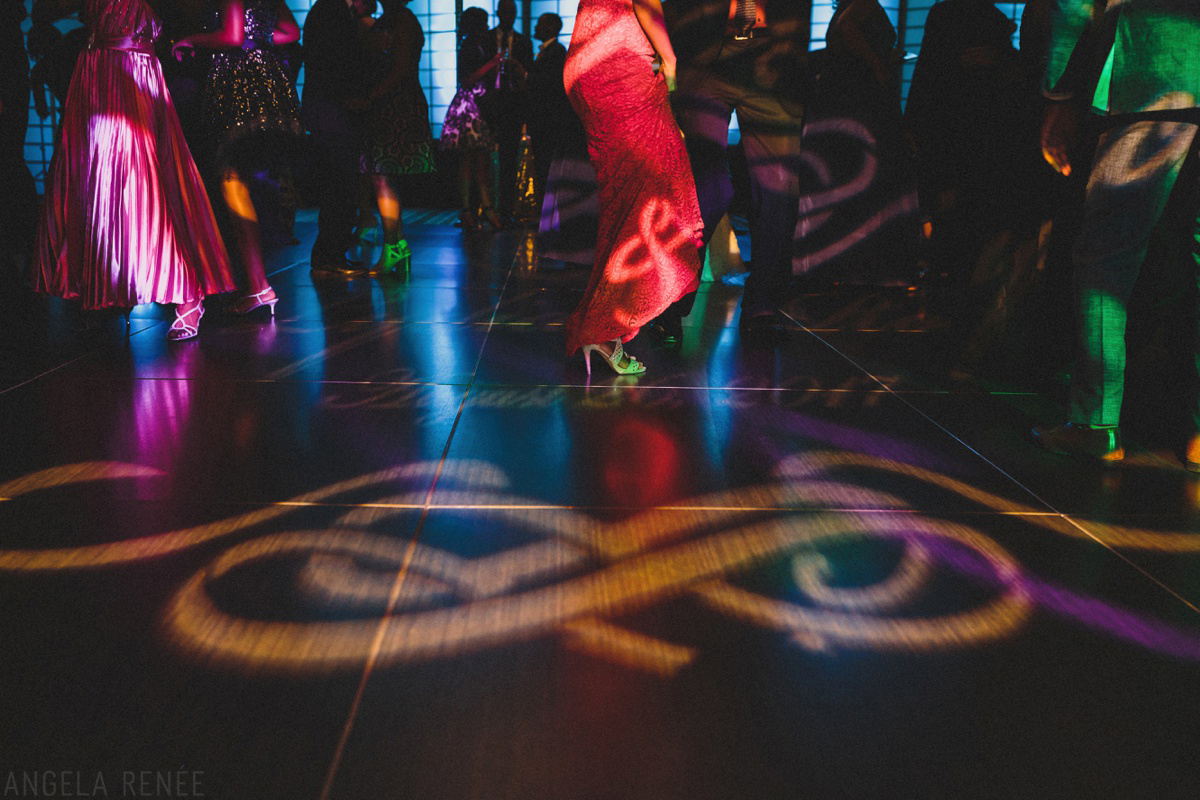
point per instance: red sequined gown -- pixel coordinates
(650, 227)
(126, 218)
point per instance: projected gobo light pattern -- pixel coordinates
(376, 595)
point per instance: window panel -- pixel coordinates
(438, 61)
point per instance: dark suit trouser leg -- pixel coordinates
(19, 200)
(508, 142)
(336, 139)
(1137, 163)
(703, 117)
(771, 138)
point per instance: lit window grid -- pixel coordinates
(438, 68)
(564, 8)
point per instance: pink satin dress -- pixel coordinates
(126, 218)
(650, 226)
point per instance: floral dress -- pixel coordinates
(464, 127)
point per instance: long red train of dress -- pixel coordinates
(650, 227)
(126, 219)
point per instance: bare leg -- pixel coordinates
(389, 209)
(480, 166)
(245, 221)
(245, 225)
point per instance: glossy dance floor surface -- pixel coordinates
(391, 544)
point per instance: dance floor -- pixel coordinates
(392, 544)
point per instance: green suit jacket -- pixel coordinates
(1138, 55)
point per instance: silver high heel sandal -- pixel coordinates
(632, 366)
(182, 329)
(247, 303)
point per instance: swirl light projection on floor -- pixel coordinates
(393, 600)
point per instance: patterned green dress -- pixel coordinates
(399, 140)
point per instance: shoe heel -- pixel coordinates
(403, 255)
(394, 259)
(633, 367)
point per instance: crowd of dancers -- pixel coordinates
(127, 219)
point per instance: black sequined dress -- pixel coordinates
(250, 105)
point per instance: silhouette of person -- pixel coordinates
(550, 113)
(252, 117)
(399, 141)
(332, 106)
(506, 106)
(964, 113)
(1149, 89)
(859, 213)
(18, 208)
(745, 57)
(465, 131)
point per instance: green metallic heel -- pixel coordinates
(396, 259)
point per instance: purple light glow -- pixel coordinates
(1095, 614)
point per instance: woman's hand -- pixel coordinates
(667, 70)
(649, 15)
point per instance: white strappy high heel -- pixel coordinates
(632, 365)
(182, 329)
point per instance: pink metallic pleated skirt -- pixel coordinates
(126, 219)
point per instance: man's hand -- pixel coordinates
(1058, 135)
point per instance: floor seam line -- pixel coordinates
(398, 582)
(1069, 519)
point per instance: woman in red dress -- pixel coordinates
(126, 219)
(647, 249)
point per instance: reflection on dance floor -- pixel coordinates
(392, 520)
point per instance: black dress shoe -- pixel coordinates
(763, 328)
(339, 265)
(1090, 443)
(667, 328)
